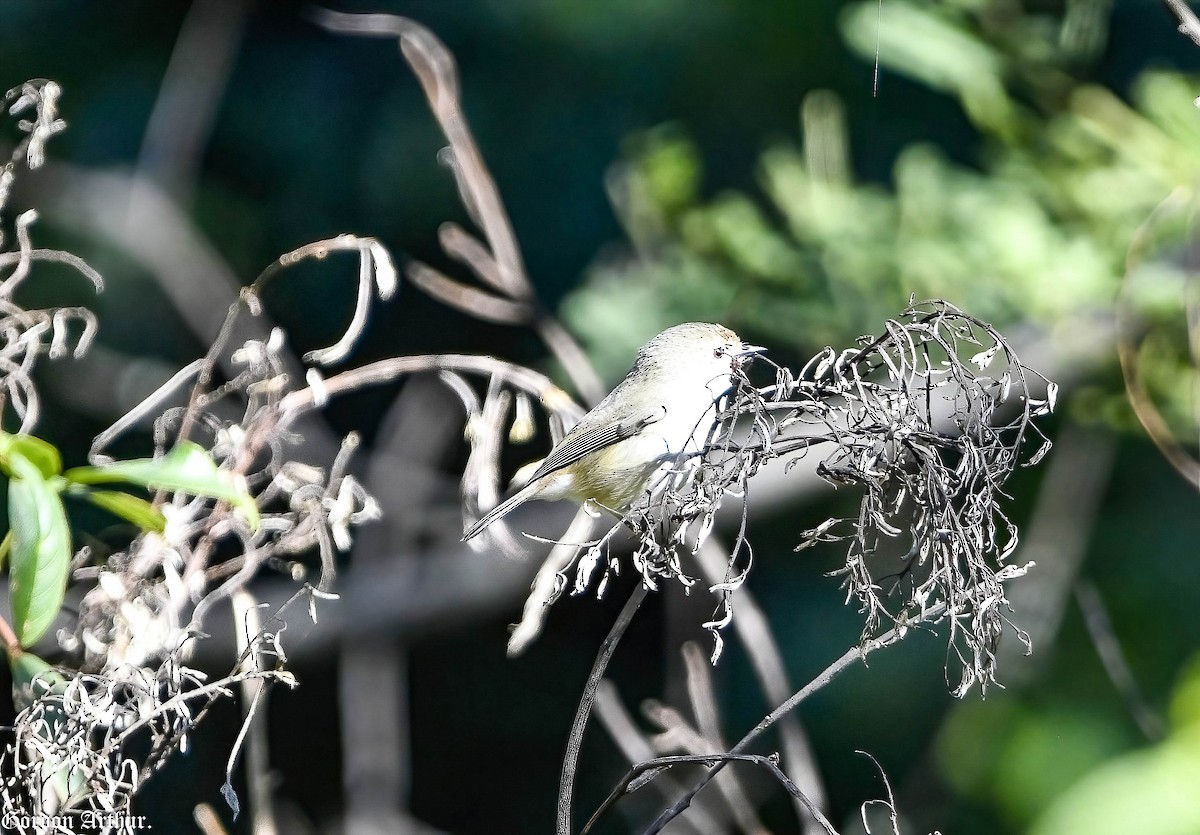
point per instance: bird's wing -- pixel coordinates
(585, 443)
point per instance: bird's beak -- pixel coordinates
(745, 354)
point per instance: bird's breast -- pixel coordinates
(616, 476)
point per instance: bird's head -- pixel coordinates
(701, 346)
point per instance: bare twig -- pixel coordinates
(826, 676)
(679, 737)
(636, 748)
(1068, 500)
(547, 584)
(206, 818)
(703, 699)
(500, 264)
(651, 769)
(754, 633)
(389, 370)
(188, 98)
(254, 695)
(889, 803)
(1143, 405)
(1108, 647)
(566, 785)
(1189, 24)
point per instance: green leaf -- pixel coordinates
(41, 549)
(130, 508)
(42, 454)
(187, 468)
(26, 669)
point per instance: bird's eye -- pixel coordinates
(718, 352)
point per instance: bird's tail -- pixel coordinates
(520, 497)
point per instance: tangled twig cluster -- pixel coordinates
(87, 738)
(165, 583)
(144, 605)
(84, 743)
(25, 335)
(928, 420)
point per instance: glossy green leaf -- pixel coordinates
(42, 454)
(41, 549)
(187, 468)
(26, 669)
(130, 508)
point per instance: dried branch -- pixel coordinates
(636, 748)
(499, 264)
(703, 700)
(85, 743)
(547, 584)
(754, 633)
(1068, 501)
(824, 678)
(566, 785)
(254, 698)
(1139, 398)
(651, 768)
(889, 803)
(678, 736)
(188, 98)
(1189, 24)
(1108, 647)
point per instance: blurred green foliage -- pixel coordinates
(1150, 791)
(1037, 230)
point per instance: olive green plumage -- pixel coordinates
(665, 406)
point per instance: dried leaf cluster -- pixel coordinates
(232, 496)
(927, 420)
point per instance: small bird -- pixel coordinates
(665, 406)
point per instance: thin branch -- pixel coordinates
(1148, 414)
(1127, 351)
(469, 251)
(57, 257)
(826, 676)
(1189, 24)
(435, 69)
(651, 768)
(754, 631)
(255, 693)
(390, 370)
(679, 737)
(566, 785)
(1063, 516)
(1108, 647)
(207, 819)
(703, 698)
(636, 748)
(546, 585)
(889, 804)
(188, 99)
(479, 304)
